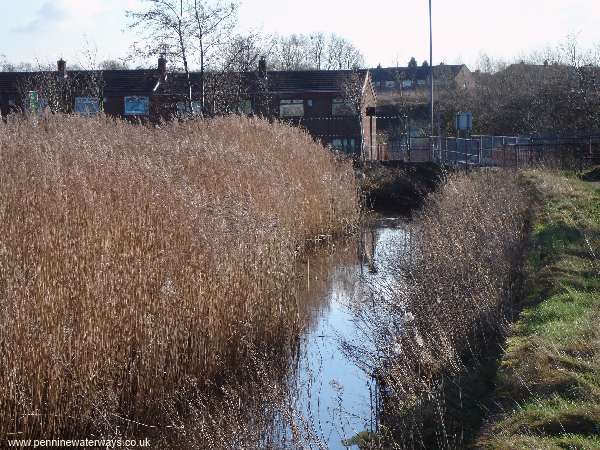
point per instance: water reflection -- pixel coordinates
(333, 397)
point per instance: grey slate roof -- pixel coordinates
(115, 82)
(325, 81)
(120, 83)
(129, 82)
(413, 73)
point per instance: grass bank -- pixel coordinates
(139, 262)
(549, 376)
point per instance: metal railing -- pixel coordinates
(500, 151)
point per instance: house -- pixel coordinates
(403, 96)
(331, 105)
(123, 93)
(415, 80)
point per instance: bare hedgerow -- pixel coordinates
(133, 259)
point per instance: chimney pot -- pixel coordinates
(162, 67)
(62, 68)
(262, 67)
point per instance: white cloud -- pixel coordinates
(49, 15)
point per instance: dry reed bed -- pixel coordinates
(133, 260)
(445, 307)
(470, 240)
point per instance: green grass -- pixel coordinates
(549, 376)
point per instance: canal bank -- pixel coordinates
(550, 368)
(406, 326)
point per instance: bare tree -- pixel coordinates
(291, 53)
(113, 64)
(7, 66)
(352, 91)
(352, 94)
(214, 24)
(317, 46)
(342, 54)
(315, 52)
(167, 29)
(244, 51)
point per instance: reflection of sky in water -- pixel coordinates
(335, 396)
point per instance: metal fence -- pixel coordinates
(500, 151)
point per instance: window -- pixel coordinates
(184, 109)
(407, 83)
(309, 103)
(137, 106)
(245, 107)
(420, 82)
(341, 107)
(390, 84)
(291, 108)
(346, 145)
(87, 106)
(35, 103)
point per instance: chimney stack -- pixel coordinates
(162, 67)
(62, 68)
(262, 67)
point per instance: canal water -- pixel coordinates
(333, 398)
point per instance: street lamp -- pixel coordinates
(431, 77)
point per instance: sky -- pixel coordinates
(387, 32)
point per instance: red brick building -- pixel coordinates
(331, 105)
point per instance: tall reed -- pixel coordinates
(135, 259)
(445, 307)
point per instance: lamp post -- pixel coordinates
(431, 78)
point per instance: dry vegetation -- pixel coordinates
(443, 310)
(137, 261)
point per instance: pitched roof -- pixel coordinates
(129, 82)
(313, 81)
(278, 82)
(8, 82)
(115, 82)
(414, 73)
(144, 82)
